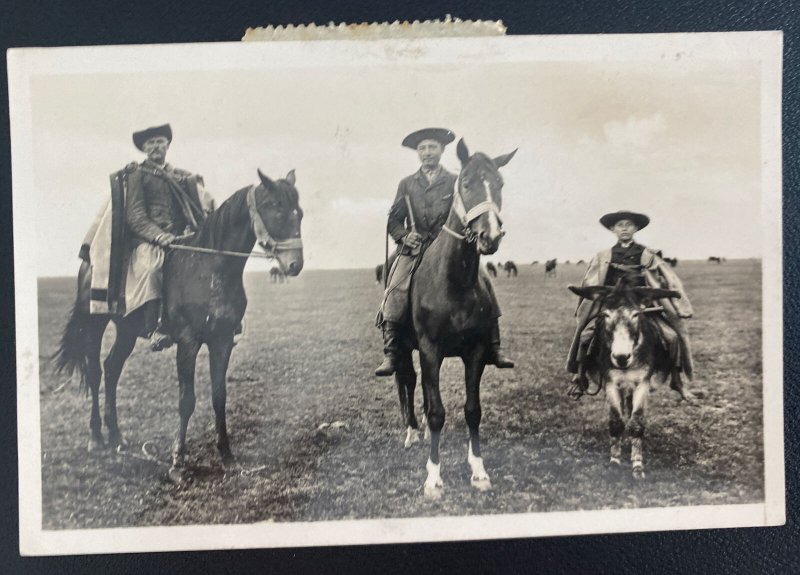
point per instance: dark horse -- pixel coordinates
(627, 352)
(491, 269)
(550, 268)
(204, 300)
(450, 309)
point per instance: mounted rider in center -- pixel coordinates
(419, 211)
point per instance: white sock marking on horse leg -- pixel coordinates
(412, 437)
(480, 479)
(433, 483)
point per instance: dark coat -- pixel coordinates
(161, 200)
(430, 204)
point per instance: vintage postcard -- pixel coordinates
(276, 294)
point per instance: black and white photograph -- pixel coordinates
(281, 294)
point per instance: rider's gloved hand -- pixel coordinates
(412, 240)
(165, 239)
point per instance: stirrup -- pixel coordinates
(160, 341)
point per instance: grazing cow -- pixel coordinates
(715, 259)
(490, 267)
(511, 268)
(580, 262)
(627, 353)
(550, 268)
(672, 261)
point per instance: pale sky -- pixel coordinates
(679, 141)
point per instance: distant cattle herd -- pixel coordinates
(549, 266)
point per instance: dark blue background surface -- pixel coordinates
(774, 550)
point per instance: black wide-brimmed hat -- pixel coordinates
(439, 134)
(640, 220)
(139, 138)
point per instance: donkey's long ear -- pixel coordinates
(656, 293)
(290, 177)
(590, 292)
(269, 184)
(501, 161)
(462, 152)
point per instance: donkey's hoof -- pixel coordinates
(433, 491)
(482, 483)
(177, 475)
(95, 444)
(412, 437)
(118, 444)
(638, 472)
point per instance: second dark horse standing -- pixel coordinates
(450, 302)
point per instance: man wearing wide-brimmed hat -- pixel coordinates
(645, 267)
(162, 203)
(416, 217)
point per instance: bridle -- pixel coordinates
(466, 217)
(265, 240)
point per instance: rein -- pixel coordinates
(264, 239)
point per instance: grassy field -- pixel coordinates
(307, 359)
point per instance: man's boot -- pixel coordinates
(159, 340)
(579, 383)
(496, 356)
(391, 349)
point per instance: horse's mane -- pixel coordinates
(211, 230)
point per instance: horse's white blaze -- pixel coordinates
(494, 223)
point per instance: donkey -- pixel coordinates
(625, 354)
(450, 309)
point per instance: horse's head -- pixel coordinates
(623, 316)
(479, 197)
(277, 221)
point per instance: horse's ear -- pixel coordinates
(656, 293)
(290, 177)
(269, 184)
(501, 161)
(462, 152)
(590, 292)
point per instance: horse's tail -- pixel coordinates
(71, 356)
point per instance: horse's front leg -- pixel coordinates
(636, 426)
(112, 366)
(219, 354)
(186, 360)
(473, 370)
(406, 379)
(430, 363)
(616, 423)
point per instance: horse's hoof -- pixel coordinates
(228, 461)
(638, 472)
(433, 491)
(176, 475)
(412, 437)
(481, 483)
(614, 461)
